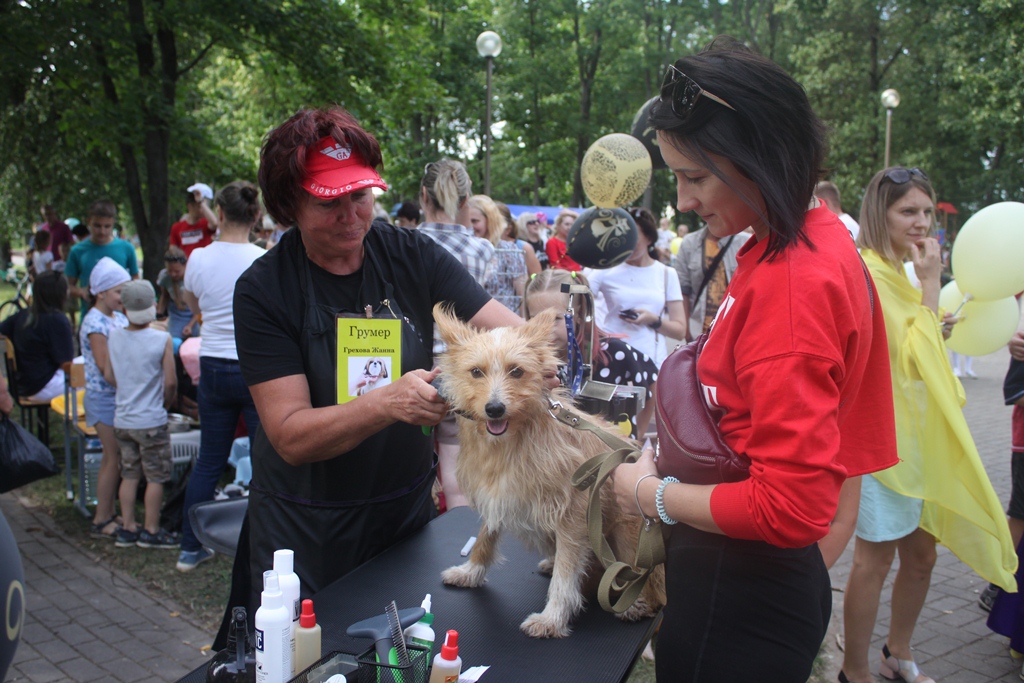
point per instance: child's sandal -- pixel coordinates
(98, 530)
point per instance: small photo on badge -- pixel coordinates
(368, 373)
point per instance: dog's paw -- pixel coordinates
(538, 625)
(546, 566)
(467, 575)
(640, 609)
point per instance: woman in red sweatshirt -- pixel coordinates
(796, 367)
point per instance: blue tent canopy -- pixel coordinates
(550, 211)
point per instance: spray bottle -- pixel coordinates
(421, 633)
(273, 629)
(235, 663)
(447, 663)
(284, 563)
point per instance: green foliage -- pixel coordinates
(135, 100)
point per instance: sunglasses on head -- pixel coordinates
(683, 93)
(900, 175)
(176, 259)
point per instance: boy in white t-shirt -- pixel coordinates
(142, 368)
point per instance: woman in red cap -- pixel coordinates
(339, 475)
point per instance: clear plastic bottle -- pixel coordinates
(273, 629)
(447, 663)
(235, 663)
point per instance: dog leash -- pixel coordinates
(574, 366)
(619, 577)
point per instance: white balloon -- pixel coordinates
(988, 253)
(985, 326)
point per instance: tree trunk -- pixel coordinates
(587, 62)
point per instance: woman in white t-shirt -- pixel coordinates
(222, 394)
(642, 296)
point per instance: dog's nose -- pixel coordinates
(494, 410)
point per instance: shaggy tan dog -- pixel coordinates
(516, 462)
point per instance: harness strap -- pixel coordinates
(619, 577)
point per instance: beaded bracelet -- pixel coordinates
(659, 500)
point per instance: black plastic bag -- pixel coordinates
(23, 458)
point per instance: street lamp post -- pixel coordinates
(890, 100)
(488, 44)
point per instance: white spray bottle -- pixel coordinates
(284, 564)
(273, 628)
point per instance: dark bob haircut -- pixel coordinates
(773, 137)
(49, 294)
(283, 156)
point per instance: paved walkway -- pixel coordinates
(952, 643)
(87, 622)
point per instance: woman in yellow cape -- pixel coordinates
(939, 491)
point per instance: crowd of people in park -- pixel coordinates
(824, 362)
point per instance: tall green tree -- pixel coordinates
(123, 76)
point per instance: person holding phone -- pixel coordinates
(642, 295)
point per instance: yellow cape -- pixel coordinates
(939, 462)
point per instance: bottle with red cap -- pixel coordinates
(447, 663)
(307, 638)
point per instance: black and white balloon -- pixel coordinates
(602, 238)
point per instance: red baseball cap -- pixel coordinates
(334, 169)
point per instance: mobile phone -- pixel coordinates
(629, 313)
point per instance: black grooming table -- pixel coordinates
(601, 648)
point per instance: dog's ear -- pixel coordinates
(383, 368)
(453, 331)
(538, 328)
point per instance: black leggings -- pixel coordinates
(741, 610)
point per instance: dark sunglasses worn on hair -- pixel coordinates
(683, 93)
(900, 175)
(176, 259)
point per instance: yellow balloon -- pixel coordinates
(615, 171)
(674, 245)
(988, 253)
(984, 327)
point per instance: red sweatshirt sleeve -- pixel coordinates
(792, 442)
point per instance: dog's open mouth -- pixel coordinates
(497, 427)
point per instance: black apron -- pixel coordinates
(339, 513)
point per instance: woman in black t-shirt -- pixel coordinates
(339, 482)
(42, 338)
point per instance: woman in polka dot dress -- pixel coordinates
(615, 361)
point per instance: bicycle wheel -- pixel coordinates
(9, 308)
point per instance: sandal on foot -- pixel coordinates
(97, 530)
(901, 669)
